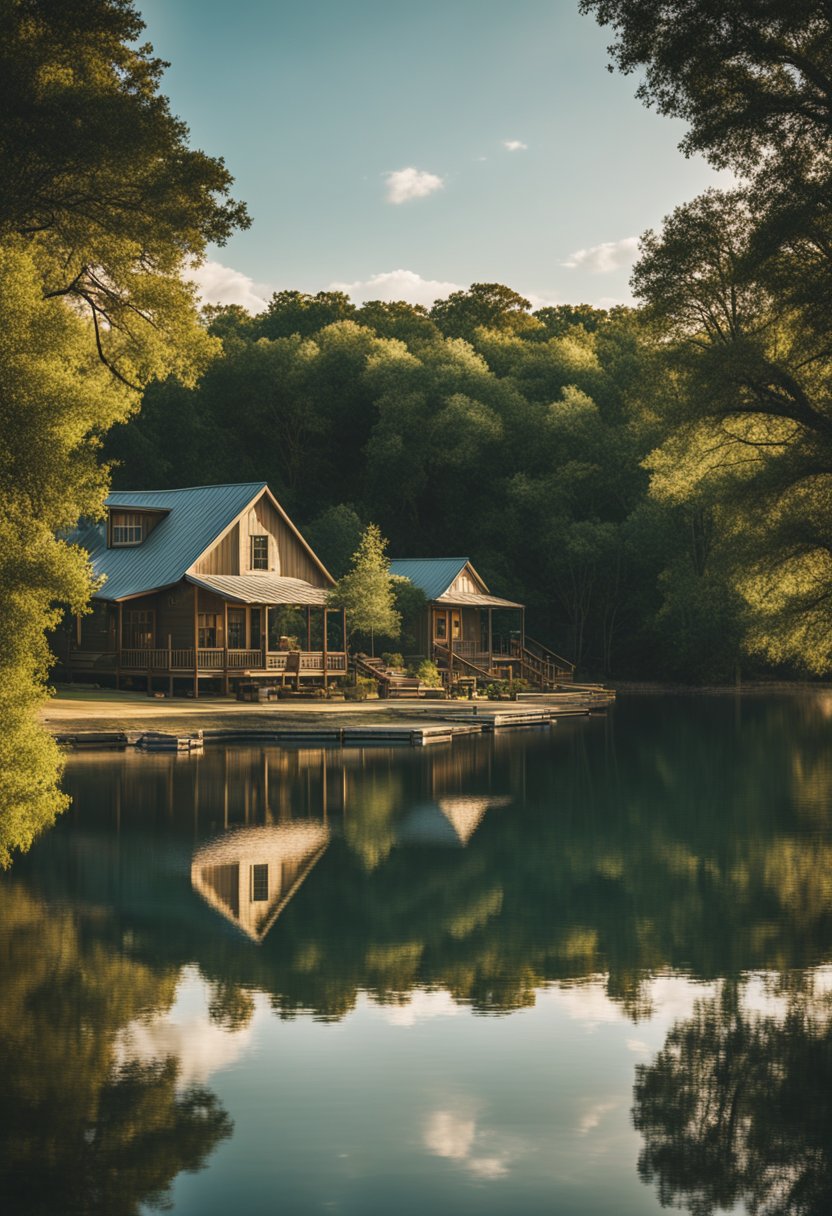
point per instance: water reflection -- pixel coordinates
(86, 1124)
(249, 875)
(736, 1107)
(633, 877)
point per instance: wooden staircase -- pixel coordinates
(391, 683)
(541, 666)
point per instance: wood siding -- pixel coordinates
(466, 582)
(224, 558)
(287, 556)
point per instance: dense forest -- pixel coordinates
(478, 428)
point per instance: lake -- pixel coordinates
(579, 970)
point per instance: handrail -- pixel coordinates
(546, 651)
(458, 658)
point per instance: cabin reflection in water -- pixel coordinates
(451, 820)
(249, 875)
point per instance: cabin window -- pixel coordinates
(236, 628)
(137, 628)
(259, 883)
(208, 628)
(440, 626)
(465, 584)
(259, 552)
(125, 528)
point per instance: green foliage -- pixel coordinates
(366, 591)
(737, 287)
(393, 659)
(335, 535)
(104, 209)
(360, 689)
(428, 673)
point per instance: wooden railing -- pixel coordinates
(541, 665)
(214, 658)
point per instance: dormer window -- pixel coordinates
(125, 528)
(259, 552)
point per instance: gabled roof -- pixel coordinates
(436, 575)
(433, 575)
(196, 518)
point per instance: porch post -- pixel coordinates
(225, 648)
(118, 656)
(490, 639)
(326, 615)
(344, 639)
(308, 627)
(170, 665)
(196, 641)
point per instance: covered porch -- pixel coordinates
(257, 627)
(484, 636)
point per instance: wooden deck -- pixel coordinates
(209, 661)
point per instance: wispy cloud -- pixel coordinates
(397, 285)
(218, 284)
(599, 259)
(406, 184)
(515, 145)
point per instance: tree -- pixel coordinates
(366, 590)
(483, 306)
(738, 288)
(104, 210)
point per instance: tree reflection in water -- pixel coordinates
(85, 1129)
(686, 837)
(737, 1108)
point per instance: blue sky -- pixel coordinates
(404, 149)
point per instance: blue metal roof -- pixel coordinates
(433, 574)
(196, 518)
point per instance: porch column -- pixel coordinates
(196, 641)
(490, 638)
(118, 655)
(225, 648)
(326, 615)
(344, 639)
(308, 627)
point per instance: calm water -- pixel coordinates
(579, 971)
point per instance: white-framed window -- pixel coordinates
(259, 552)
(125, 528)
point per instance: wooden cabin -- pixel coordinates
(210, 583)
(467, 631)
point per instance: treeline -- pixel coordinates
(477, 428)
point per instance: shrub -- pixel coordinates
(361, 689)
(428, 673)
(393, 659)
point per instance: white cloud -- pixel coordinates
(218, 284)
(406, 184)
(397, 285)
(515, 145)
(593, 1116)
(420, 1007)
(455, 1137)
(600, 259)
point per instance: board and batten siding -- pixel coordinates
(287, 556)
(224, 558)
